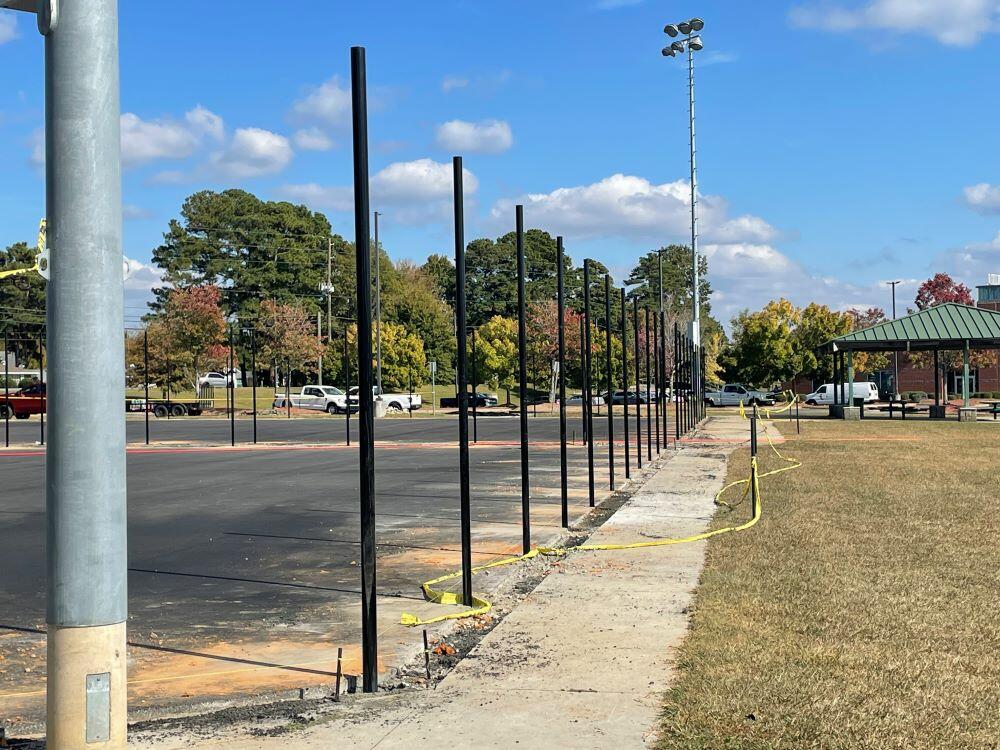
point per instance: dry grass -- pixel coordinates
(864, 611)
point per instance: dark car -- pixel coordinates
(619, 397)
(481, 400)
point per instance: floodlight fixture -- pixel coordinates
(684, 27)
(670, 30)
(695, 43)
(677, 46)
(697, 24)
(668, 52)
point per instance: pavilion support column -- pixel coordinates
(851, 412)
(966, 413)
(938, 410)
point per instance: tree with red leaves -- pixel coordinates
(941, 288)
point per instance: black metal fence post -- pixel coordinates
(609, 380)
(6, 391)
(253, 379)
(522, 345)
(41, 384)
(347, 390)
(231, 388)
(583, 384)
(657, 378)
(638, 368)
(664, 378)
(561, 312)
(366, 452)
(649, 397)
(588, 395)
(625, 384)
(461, 369)
(169, 376)
(677, 381)
(475, 391)
(753, 455)
(145, 379)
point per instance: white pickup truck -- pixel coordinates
(326, 398)
(734, 394)
(393, 401)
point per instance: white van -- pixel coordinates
(824, 394)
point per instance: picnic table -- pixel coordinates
(994, 408)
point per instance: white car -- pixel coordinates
(824, 394)
(218, 380)
(326, 398)
(393, 401)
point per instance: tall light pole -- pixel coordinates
(895, 355)
(691, 43)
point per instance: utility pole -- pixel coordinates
(895, 355)
(378, 312)
(87, 605)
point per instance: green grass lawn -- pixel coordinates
(864, 610)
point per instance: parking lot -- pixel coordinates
(243, 571)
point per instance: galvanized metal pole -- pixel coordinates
(696, 290)
(588, 398)
(145, 377)
(522, 347)
(85, 470)
(638, 368)
(628, 468)
(461, 390)
(231, 388)
(609, 379)
(366, 452)
(561, 312)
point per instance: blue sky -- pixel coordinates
(841, 143)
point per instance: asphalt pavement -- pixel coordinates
(243, 564)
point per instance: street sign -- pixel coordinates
(434, 368)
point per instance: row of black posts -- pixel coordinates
(655, 360)
(689, 397)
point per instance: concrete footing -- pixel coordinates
(937, 412)
(968, 414)
(852, 413)
(86, 690)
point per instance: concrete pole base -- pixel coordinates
(86, 691)
(852, 413)
(968, 414)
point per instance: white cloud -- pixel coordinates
(37, 145)
(959, 23)
(312, 139)
(8, 27)
(131, 212)
(328, 103)
(484, 137)
(629, 206)
(144, 141)
(336, 198)
(972, 262)
(450, 83)
(418, 191)
(983, 198)
(253, 152)
(142, 277)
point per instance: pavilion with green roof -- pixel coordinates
(945, 327)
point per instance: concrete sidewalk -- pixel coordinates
(582, 662)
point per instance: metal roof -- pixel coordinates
(945, 326)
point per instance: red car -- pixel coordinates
(23, 403)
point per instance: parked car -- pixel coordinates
(394, 401)
(577, 400)
(219, 380)
(23, 402)
(481, 400)
(734, 394)
(326, 398)
(824, 394)
(619, 397)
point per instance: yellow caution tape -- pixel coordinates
(481, 606)
(41, 250)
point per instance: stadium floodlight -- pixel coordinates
(696, 43)
(697, 24)
(668, 52)
(684, 27)
(670, 30)
(677, 46)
